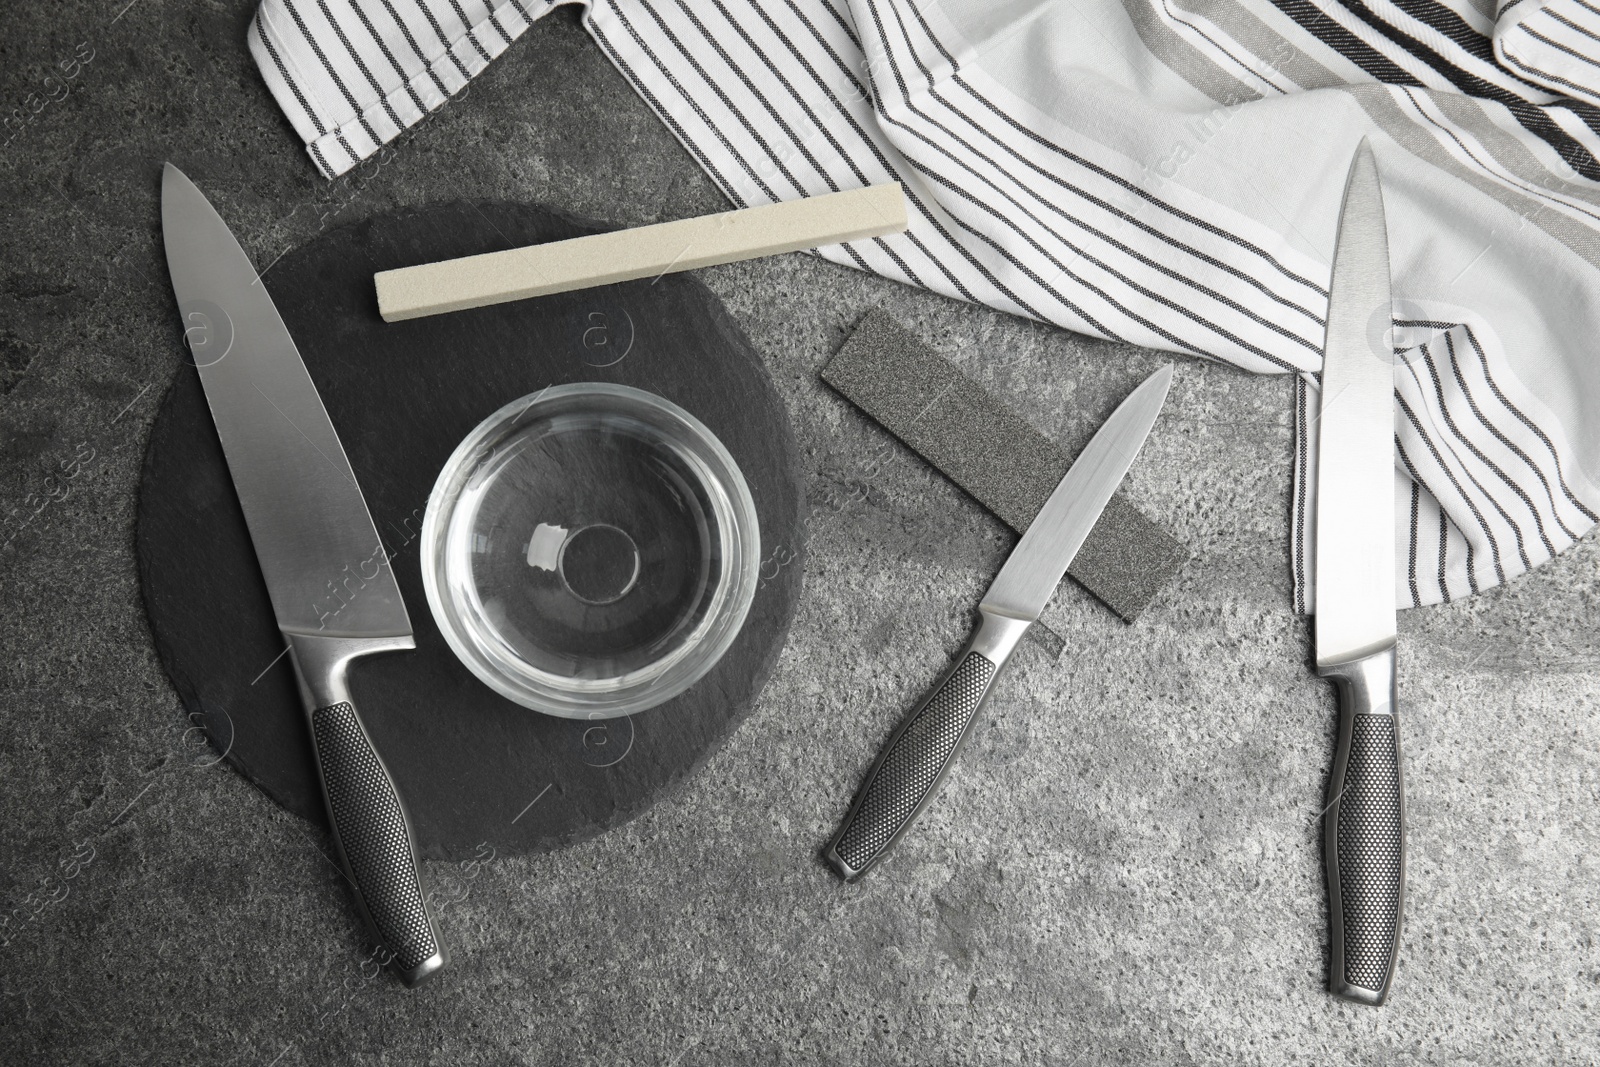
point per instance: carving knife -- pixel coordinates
(919, 754)
(1364, 829)
(328, 574)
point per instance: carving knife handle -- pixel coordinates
(370, 826)
(1364, 833)
(913, 764)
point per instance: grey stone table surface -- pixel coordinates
(1124, 870)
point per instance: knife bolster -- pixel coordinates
(322, 663)
(1366, 684)
(998, 635)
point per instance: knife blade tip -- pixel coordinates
(172, 180)
(1160, 381)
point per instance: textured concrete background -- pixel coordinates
(1124, 869)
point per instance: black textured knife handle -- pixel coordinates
(374, 836)
(371, 829)
(1364, 834)
(911, 768)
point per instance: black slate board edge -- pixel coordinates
(217, 722)
(217, 725)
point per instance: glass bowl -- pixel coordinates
(590, 551)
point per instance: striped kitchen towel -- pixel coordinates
(1164, 172)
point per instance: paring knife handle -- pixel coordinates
(370, 826)
(1364, 833)
(913, 764)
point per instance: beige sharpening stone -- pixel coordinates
(643, 252)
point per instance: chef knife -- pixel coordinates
(1364, 832)
(913, 765)
(327, 572)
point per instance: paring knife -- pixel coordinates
(913, 765)
(1364, 833)
(328, 574)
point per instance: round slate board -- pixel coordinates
(473, 767)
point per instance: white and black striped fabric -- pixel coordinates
(1165, 172)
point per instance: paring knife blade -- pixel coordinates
(1364, 830)
(326, 569)
(913, 765)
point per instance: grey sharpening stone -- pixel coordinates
(985, 448)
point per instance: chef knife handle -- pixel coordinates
(1364, 834)
(912, 766)
(371, 829)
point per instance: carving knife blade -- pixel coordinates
(326, 570)
(913, 765)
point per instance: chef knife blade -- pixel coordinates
(916, 759)
(327, 572)
(1364, 830)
